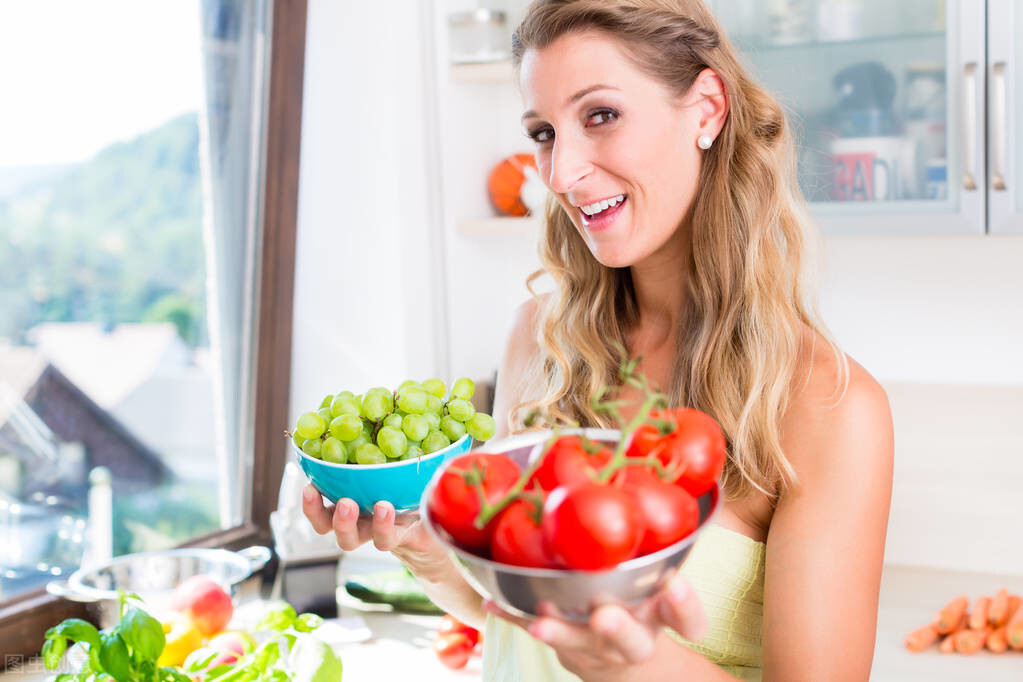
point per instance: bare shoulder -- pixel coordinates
(835, 406)
(520, 351)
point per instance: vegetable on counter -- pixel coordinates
(994, 622)
(134, 650)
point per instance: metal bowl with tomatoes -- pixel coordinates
(569, 517)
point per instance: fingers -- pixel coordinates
(680, 609)
(314, 510)
(385, 537)
(633, 640)
(349, 530)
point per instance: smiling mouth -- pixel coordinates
(603, 213)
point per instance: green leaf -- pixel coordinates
(280, 616)
(77, 630)
(64, 677)
(142, 633)
(312, 660)
(53, 651)
(307, 622)
(114, 657)
(197, 664)
(266, 655)
(169, 673)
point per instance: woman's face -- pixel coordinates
(606, 133)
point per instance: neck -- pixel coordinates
(660, 286)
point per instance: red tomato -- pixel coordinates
(450, 624)
(455, 503)
(591, 526)
(453, 649)
(518, 538)
(669, 512)
(566, 461)
(648, 436)
(698, 447)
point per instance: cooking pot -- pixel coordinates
(154, 575)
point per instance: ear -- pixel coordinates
(708, 93)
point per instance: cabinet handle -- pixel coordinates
(970, 126)
(998, 123)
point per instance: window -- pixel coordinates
(148, 192)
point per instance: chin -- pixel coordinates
(611, 258)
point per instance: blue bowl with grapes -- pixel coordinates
(401, 482)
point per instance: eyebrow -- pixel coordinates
(574, 98)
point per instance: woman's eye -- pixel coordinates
(601, 117)
(541, 135)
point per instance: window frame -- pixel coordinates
(25, 619)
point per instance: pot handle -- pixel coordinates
(60, 588)
(257, 556)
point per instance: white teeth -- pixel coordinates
(602, 205)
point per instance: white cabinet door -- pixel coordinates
(888, 100)
(1005, 101)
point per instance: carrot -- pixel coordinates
(971, 641)
(996, 640)
(997, 611)
(921, 638)
(949, 616)
(948, 644)
(1014, 628)
(978, 617)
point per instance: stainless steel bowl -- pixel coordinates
(154, 575)
(576, 593)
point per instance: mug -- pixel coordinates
(874, 168)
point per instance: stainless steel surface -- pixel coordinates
(575, 593)
(154, 575)
(969, 125)
(999, 139)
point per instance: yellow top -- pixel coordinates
(725, 568)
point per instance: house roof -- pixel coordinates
(109, 365)
(24, 369)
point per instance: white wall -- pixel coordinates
(366, 281)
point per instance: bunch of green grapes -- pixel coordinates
(384, 426)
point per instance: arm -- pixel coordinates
(826, 541)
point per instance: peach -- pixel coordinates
(205, 603)
(237, 641)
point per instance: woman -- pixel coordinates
(676, 231)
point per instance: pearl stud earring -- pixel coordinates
(704, 142)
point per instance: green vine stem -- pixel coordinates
(652, 400)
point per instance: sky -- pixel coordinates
(76, 76)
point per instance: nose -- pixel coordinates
(568, 165)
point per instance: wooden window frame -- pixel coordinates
(25, 619)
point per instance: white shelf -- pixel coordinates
(483, 72)
(499, 227)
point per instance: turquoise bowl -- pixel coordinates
(400, 483)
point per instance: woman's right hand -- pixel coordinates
(404, 536)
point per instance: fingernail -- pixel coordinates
(382, 511)
(344, 511)
(308, 494)
(680, 590)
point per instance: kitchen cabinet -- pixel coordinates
(905, 112)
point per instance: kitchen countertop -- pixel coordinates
(400, 644)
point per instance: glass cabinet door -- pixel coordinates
(1005, 100)
(887, 100)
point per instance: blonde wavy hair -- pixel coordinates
(748, 300)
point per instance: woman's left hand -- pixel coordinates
(615, 639)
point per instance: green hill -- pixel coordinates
(116, 239)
